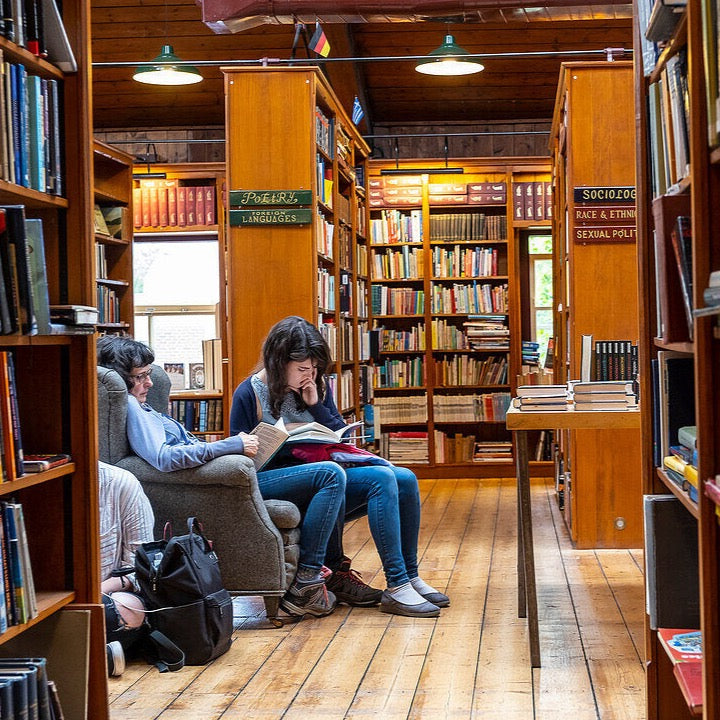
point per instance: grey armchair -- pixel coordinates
(257, 540)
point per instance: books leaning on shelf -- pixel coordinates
(11, 450)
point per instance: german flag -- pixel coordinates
(319, 42)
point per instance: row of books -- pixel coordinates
(399, 373)
(324, 179)
(396, 301)
(532, 200)
(400, 409)
(394, 226)
(200, 415)
(468, 298)
(466, 370)
(324, 131)
(169, 202)
(324, 236)
(610, 395)
(403, 264)
(26, 691)
(410, 192)
(464, 261)
(483, 407)
(467, 226)
(29, 129)
(453, 448)
(108, 304)
(487, 332)
(18, 599)
(391, 340)
(326, 290)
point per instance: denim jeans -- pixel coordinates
(318, 490)
(391, 498)
(116, 628)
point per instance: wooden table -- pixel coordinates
(520, 422)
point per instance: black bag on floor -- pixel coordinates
(184, 595)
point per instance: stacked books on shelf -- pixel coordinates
(530, 353)
(492, 451)
(610, 395)
(681, 464)
(487, 332)
(406, 447)
(541, 398)
(684, 648)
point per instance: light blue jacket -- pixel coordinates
(166, 444)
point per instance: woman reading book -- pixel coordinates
(290, 385)
(317, 489)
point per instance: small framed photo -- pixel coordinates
(197, 376)
(176, 373)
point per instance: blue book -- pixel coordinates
(23, 126)
(15, 565)
(36, 135)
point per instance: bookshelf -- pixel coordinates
(595, 287)
(684, 57)
(444, 247)
(297, 242)
(113, 240)
(56, 392)
(180, 202)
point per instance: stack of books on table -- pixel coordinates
(541, 398)
(603, 395)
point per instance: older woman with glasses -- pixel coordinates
(317, 489)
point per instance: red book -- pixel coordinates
(681, 645)
(163, 207)
(154, 206)
(172, 206)
(200, 205)
(190, 205)
(210, 217)
(137, 207)
(145, 205)
(181, 206)
(689, 678)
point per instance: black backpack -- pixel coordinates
(185, 599)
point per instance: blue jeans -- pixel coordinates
(391, 498)
(318, 490)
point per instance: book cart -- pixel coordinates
(56, 395)
(297, 242)
(447, 249)
(678, 170)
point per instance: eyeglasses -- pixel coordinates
(141, 377)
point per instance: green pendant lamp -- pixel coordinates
(167, 73)
(449, 59)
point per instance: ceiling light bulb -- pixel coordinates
(448, 60)
(166, 74)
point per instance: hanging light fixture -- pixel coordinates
(167, 73)
(449, 59)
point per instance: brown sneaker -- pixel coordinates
(348, 587)
(308, 597)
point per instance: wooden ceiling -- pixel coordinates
(510, 90)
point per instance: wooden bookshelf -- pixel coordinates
(691, 49)
(288, 132)
(443, 237)
(595, 288)
(114, 267)
(56, 391)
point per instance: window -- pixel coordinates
(177, 291)
(541, 290)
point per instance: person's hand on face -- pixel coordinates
(301, 375)
(250, 444)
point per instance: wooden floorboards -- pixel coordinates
(471, 662)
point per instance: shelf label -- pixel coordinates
(605, 194)
(284, 198)
(602, 233)
(271, 216)
(601, 214)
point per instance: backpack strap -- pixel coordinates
(167, 655)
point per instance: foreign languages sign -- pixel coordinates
(283, 198)
(270, 216)
(604, 215)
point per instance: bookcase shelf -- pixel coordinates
(451, 228)
(593, 107)
(314, 148)
(690, 60)
(55, 387)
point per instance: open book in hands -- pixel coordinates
(272, 437)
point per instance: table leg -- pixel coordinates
(526, 578)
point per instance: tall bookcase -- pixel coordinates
(674, 127)
(113, 246)
(185, 202)
(596, 287)
(446, 244)
(297, 226)
(57, 400)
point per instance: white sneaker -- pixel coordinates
(115, 659)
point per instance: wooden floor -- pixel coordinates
(471, 662)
